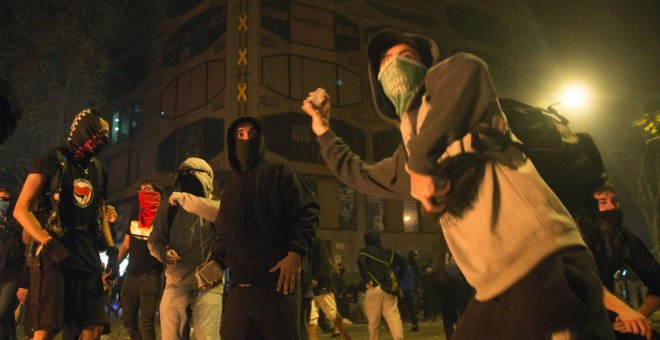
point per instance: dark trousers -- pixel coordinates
(562, 295)
(275, 315)
(139, 296)
(8, 303)
(408, 301)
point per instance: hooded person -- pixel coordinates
(506, 229)
(69, 271)
(266, 223)
(381, 270)
(614, 247)
(184, 241)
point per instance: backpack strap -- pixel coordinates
(379, 261)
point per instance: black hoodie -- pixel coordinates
(375, 271)
(267, 211)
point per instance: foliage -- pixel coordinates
(55, 55)
(649, 123)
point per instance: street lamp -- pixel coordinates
(574, 97)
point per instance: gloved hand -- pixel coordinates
(57, 251)
(113, 262)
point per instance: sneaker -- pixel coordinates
(415, 328)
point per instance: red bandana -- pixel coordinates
(149, 202)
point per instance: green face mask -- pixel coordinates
(400, 79)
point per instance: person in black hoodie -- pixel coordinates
(11, 267)
(613, 247)
(266, 223)
(376, 265)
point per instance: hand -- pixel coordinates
(320, 117)
(171, 257)
(107, 281)
(314, 283)
(177, 198)
(430, 190)
(401, 294)
(113, 262)
(110, 214)
(631, 321)
(22, 294)
(369, 285)
(289, 268)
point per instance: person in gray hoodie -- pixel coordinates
(183, 241)
(511, 236)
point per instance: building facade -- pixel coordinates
(187, 68)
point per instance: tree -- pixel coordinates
(55, 55)
(648, 175)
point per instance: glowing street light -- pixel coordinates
(574, 97)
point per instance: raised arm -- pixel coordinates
(205, 208)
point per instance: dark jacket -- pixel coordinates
(376, 271)
(267, 211)
(11, 252)
(320, 261)
(627, 249)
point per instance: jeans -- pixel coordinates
(8, 303)
(180, 302)
(139, 296)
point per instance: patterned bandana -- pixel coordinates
(87, 137)
(400, 79)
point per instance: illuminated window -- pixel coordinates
(124, 121)
(410, 217)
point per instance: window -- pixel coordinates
(193, 88)
(204, 138)
(195, 36)
(295, 76)
(125, 121)
(123, 168)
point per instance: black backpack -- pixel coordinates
(568, 162)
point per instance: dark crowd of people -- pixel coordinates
(247, 263)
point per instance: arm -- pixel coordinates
(385, 179)
(627, 320)
(29, 194)
(362, 268)
(648, 269)
(203, 207)
(461, 94)
(303, 211)
(105, 228)
(123, 250)
(160, 235)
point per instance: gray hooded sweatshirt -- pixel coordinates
(191, 236)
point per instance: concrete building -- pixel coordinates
(186, 68)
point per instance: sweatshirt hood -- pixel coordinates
(203, 173)
(377, 46)
(372, 237)
(231, 143)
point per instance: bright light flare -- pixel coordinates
(575, 96)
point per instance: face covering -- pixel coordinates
(149, 202)
(190, 184)
(88, 136)
(4, 208)
(400, 79)
(612, 217)
(247, 152)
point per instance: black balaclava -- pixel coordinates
(189, 183)
(613, 217)
(247, 152)
(87, 137)
(610, 232)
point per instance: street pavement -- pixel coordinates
(358, 331)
